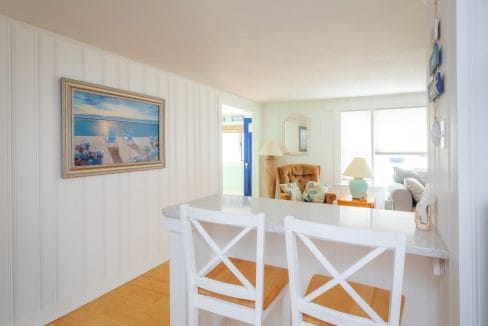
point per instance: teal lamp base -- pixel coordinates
(358, 188)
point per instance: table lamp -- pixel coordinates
(358, 169)
(270, 150)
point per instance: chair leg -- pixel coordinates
(296, 319)
(286, 308)
(192, 315)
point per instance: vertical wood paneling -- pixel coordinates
(65, 240)
(125, 242)
(213, 139)
(151, 82)
(92, 66)
(180, 141)
(94, 202)
(196, 140)
(138, 188)
(153, 188)
(112, 226)
(138, 219)
(153, 217)
(70, 63)
(94, 193)
(69, 242)
(56, 164)
(70, 203)
(164, 178)
(48, 172)
(190, 144)
(6, 295)
(204, 131)
(26, 177)
(111, 186)
(172, 148)
(110, 73)
(137, 81)
(164, 185)
(123, 74)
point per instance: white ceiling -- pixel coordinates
(265, 50)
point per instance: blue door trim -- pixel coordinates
(247, 156)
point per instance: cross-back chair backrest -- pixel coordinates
(380, 241)
(192, 219)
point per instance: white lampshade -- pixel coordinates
(270, 148)
(359, 168)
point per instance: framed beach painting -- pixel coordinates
(106, 130)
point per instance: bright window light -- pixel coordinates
(355, 136)
(400, 131)
(232, 147)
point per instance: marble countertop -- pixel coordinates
(423, 243)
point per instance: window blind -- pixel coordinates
(400, 131)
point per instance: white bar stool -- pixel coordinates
(332, 299)
(227, 286)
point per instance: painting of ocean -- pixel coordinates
(110, 130)
(97, 127)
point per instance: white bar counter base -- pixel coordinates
(421, 246)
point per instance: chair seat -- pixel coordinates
(338, 299)
(275, 279)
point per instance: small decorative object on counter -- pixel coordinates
(426, 212)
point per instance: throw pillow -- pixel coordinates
(292, 189)
(399, 175)
(415, 188)
(314, 192)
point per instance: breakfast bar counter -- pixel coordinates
(425, 259)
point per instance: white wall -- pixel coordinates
(472, 115)
(324, 130)
(443, 161)
(64, 242)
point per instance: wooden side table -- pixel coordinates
(349, 201)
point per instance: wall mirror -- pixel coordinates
(297, 129)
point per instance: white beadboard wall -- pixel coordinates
(443, 162)
(64, 242)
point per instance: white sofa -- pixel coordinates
(401, 197)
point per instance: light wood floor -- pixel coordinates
(142, 301)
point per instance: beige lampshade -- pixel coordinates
(359, 168)
(270, 148)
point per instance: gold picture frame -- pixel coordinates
(107, 130)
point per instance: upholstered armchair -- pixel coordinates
(300, 173)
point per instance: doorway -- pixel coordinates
(236, 151)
